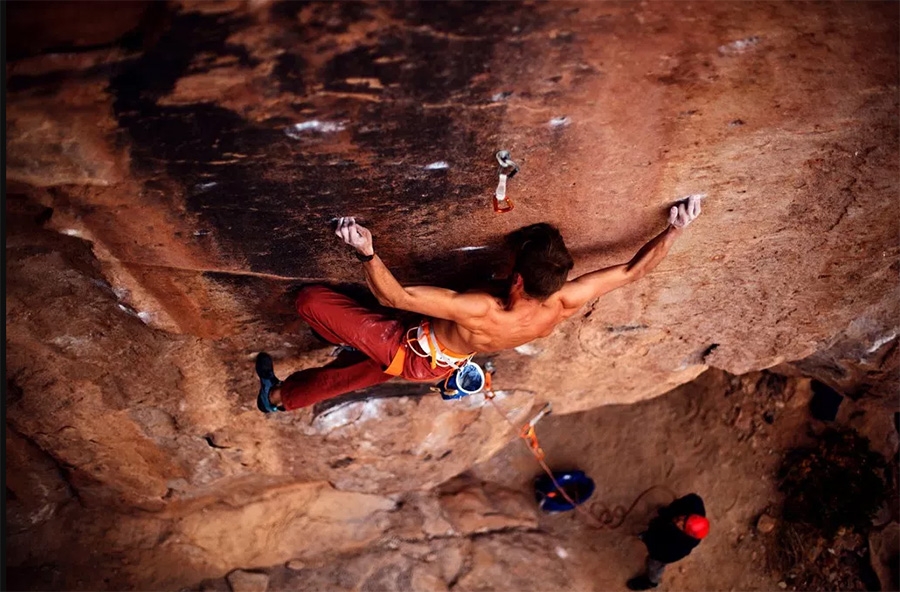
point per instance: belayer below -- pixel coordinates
(454, 326)
(671, 536)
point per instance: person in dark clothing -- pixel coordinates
(670, 537)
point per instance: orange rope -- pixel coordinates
(604, 517)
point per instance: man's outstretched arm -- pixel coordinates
(427, 300)
(597, 283)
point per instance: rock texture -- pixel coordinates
(172, 170)
(247, 581)
(884, 547)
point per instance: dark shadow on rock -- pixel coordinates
(388, 390)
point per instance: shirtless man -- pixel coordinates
(540, 298)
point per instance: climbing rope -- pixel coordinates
(615, 517)
(600, 515)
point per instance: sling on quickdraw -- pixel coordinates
(530, 436)
(531, 440)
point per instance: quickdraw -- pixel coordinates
(530, 436)
(503, 204)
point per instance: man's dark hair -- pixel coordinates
(542, 259)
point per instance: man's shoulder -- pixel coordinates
(561, 301)
(484, 295)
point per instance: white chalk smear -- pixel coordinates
(435, 166)
(561, 553)
(528, 349)
(560, 122)
(878, 343)
(326, 127)
(45, 513)
(205, 186)
(469, 248)
(739, 46)
(352, 412)
(68, 341)
(72, 232)
(500, 395)
(319, 126)
(697, 195)
(145, 317)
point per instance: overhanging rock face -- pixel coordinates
(203, 154)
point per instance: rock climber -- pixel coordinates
(670, 537)
(454, 326)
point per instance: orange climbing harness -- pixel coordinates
(396, 367)
(422, 341)
(599, 514)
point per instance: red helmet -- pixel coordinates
(696, 526)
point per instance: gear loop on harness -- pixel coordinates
(422, 337)
(421, 341)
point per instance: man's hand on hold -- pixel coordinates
(685, 212)
(355, 235)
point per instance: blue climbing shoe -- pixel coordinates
(267, 381)
(341, 349)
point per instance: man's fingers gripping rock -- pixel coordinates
(673, 215)
(685, 212)
(694, 206)
(682, 220)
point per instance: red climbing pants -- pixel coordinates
(341, 320)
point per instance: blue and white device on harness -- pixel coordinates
(463, 382)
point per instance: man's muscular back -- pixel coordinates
(505, 324)
(502, 327)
